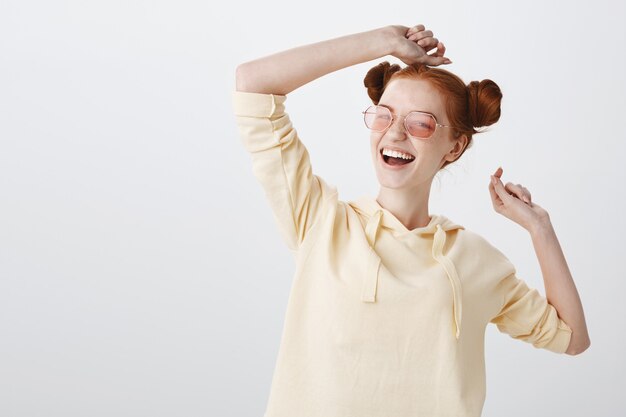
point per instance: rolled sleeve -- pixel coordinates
(257, 104)
(526, 315)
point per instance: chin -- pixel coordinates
(393, 183)
(389, 180)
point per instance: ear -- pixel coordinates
(459, 145)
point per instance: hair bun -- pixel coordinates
(484, 102)
(377, 77)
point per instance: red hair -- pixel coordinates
(467, 106)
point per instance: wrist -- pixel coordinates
(541, 224)
(390, 40)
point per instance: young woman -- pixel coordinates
(389, 303)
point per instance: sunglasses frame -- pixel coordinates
(394, 117)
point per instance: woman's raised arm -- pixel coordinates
(280, 160)
(285, 71)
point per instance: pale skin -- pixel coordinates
(405, 192)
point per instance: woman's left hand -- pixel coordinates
(412, 45)
(513, 202)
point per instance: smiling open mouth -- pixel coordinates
(395, 160)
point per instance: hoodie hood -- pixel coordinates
(377, 217)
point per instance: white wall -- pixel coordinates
(141, 272)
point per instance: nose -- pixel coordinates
(397, 129)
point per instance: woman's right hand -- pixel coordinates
(413, 43)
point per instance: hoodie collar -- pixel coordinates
(378, 217)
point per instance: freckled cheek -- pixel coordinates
(374, 143)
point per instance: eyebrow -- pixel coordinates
(421, 111)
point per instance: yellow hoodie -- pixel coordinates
(381, 321)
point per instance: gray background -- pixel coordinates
(141, 272)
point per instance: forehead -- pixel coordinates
(404, 95)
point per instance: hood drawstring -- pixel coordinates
(374, 262)
(438, 242)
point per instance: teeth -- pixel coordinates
(396, 154)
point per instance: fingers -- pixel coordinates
(414, 29)
(525, 194)
(441, 49)
(420, 35)
(440, 52)
(426, 40)
(428, 43)
(517, 189)
(495, 195)
(495, 199)
(502, 195)
(437, 58)
(434, 61)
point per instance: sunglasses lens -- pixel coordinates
(420, 125)
(377, 118)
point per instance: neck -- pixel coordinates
(410, 207)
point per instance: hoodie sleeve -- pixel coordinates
(526, 315)
(280, 162)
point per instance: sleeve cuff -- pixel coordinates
(562, 338)
(258, 104)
